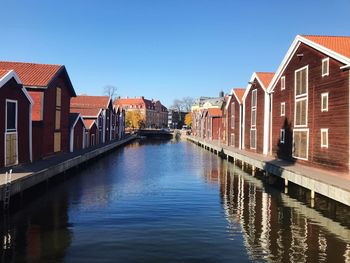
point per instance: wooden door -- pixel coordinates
(11, 155)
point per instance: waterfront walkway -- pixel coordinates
(330, 183)
(27, 175)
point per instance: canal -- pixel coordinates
(168, 201)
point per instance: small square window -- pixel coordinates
(282, 135)
(325, 67)
(283, 83)
(324, 101)
(324, 138)
(283, 108)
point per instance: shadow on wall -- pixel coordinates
(285, 147)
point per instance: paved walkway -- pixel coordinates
(24, 170)
(330, 177)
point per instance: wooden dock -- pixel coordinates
(331, 184)
(27, 176)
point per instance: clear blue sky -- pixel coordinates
(163, 49)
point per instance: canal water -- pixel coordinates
(168, 201)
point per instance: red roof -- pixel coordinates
(239, 93)
(129, 101)
(3, 73)
(32, 74)
(89, 122)
(265, 78)
(84, 101)
(86, 112)
(338, 44)
(215, 112)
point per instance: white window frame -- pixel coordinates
(307, 144)
(301, 97)
(250, 136)
(16, 119)
(282, 135)
(233, 139)
(322, 144)
(253, 108)
(327, 67)
(15, 131)
(325, 94)
(232, 115)
(283, 83)
(283, 109)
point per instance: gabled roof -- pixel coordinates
(86, 112)
(37, 75)
(89, 123)
(337, 47)
(85, 101)
(264, 79)
(338, 44)
(238, 93)
(74, 118)
(6, 75)
(215, 112)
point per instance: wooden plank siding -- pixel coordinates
(259, 118)
(336, 119)
(11, 90)
(235, 131)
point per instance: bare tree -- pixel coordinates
(110, 90)
(187, 103)
(177, 105)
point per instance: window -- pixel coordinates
(301, 99)
(301, 82)
(283, 108)
(324, 138)
(282, 135)
(11, 116)
(233, 115)
(253, 138)
(232, 139)
(253, 109)
(300, 143)
(283, 83)
(324, 101)
(58, 109)
(325, 67)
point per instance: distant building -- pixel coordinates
(154, 113)
(176, 119)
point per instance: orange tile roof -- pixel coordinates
(239, 93)
(265, 78)
(338, 44)
(89, 122)
(3, 72)
(129, 101)
(32, 74)
(215, 112)
(86, 112)
(84, 101)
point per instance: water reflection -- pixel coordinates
(38, 233)
(276, 227)
(157, 201)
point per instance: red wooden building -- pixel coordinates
(310, 102)
(234, 109)
(214, 117)
(91, 127)
(51, 90)
(15, 125)
(94, 104)
(92, 114)
(78, 132)
(256, 113)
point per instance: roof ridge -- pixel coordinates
(324, 36)
(30, 63)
